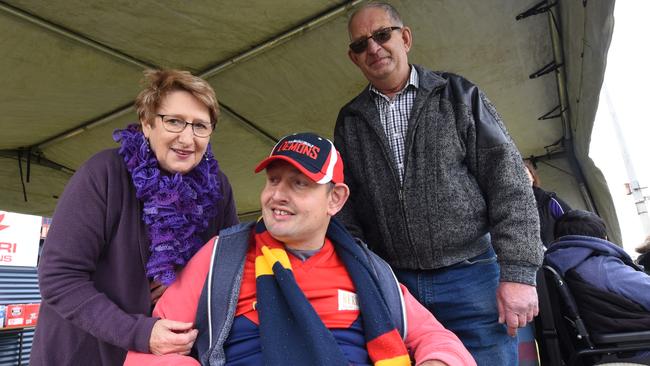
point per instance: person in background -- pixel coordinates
(438, 189)
(295, 288)
(611, 292)
(581, 246)
(644, 255)
(549, 205)
(550, 208)
(127, 221)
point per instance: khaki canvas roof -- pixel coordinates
(71, 69)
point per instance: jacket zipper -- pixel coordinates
(400, 191)
(409, 145)
(400, 187)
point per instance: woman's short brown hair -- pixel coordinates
(158, 83)
(533, 172)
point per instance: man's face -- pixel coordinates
(296, 210)
(379, 62)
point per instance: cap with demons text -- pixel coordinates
(315, 156)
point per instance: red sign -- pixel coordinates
(2, 227)
(20, 236)
(21, 315)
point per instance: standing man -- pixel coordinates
(437, 187)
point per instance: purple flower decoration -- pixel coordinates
(177, 208)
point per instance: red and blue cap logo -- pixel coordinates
(315, 156)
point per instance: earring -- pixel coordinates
(208, 152)
(146, 140)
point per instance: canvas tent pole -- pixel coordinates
(557, 66)
(558, 56)
(120, 111)
(36, 159)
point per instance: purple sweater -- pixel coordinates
(96, 300)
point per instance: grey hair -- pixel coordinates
(389, 9)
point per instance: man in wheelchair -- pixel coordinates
(611, 292)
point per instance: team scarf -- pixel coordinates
(292, 333)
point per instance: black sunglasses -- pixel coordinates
(380, 36)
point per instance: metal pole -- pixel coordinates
(635, 187)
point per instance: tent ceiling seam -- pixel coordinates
(86, 126)
(283, 37)
(70, 34)
(250, 125)
(272, 42)
(582, 59)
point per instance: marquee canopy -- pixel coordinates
(71, 69)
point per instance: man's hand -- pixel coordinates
(168, 336)
(517, 303)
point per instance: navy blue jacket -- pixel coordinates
(601, 264)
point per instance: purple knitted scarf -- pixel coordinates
(177, 207)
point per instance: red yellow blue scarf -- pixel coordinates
(291, 331)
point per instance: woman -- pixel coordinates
(127, 221)
(549, 206)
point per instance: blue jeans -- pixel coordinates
(463, 298)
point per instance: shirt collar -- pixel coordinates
(414, 80)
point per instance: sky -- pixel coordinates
(627, 82)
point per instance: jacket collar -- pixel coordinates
(428, 81)
(364, 104)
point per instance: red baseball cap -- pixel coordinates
(315, 157)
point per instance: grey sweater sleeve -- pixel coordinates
(498, 168)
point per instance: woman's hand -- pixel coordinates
(169, 336)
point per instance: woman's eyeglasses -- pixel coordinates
(177, 125)
(380, 36)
